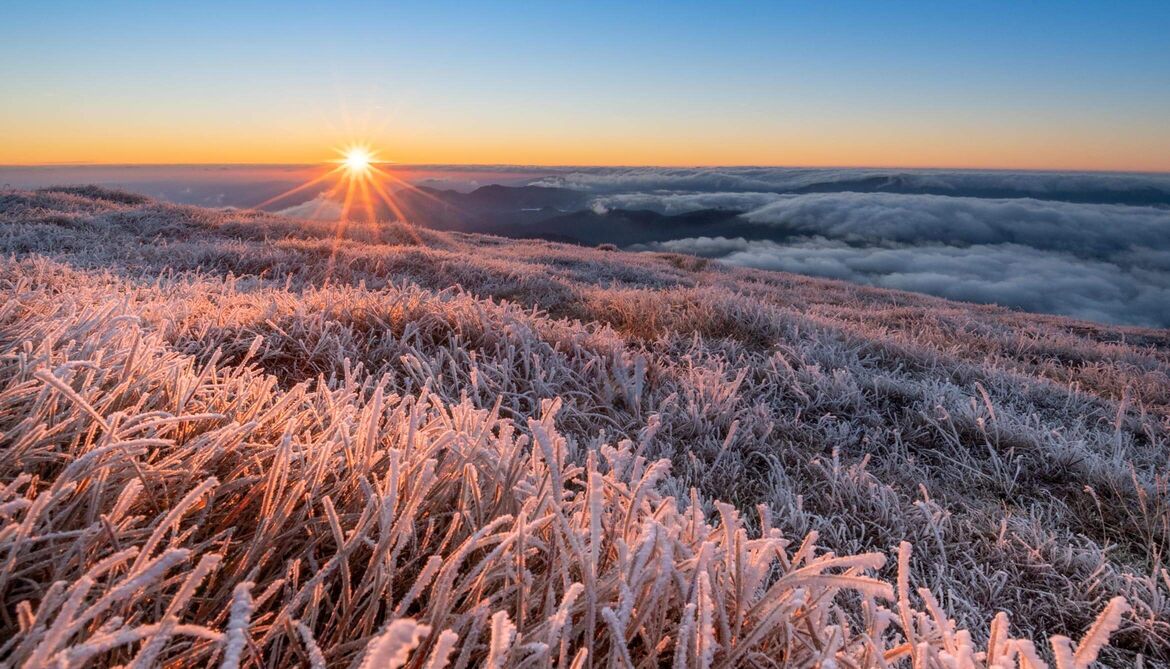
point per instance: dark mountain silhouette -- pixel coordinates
(487, 207)
(559, 214)
(625, 227)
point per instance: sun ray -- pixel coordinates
(408, 223)
(409, 186)
(364, 181)
(298, 189)
(327, 198)
(347, 204)
(389, 200)
(362, 185)
(342, 223)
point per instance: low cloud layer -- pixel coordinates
(1103, 262)
(1091, 245)
(1090, 231)
(681, 203)
(1006, 274)
(317, 209)
(1100, 188)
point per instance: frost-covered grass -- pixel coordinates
(232, 439)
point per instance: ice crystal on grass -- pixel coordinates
(219, 449)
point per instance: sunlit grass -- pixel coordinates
(230, 439)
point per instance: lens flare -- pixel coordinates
(364, 186)
(358, 160)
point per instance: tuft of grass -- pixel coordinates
(99, 193)
(237, 440)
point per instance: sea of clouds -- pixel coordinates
(1006, 274)
(1088, 245)
(1092, 187)
(1098, 262)
(1062, 243)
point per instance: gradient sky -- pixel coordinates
(1061, 85)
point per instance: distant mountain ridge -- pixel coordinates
(560, 214)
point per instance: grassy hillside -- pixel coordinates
(233, 439)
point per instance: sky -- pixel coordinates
(1036, 85)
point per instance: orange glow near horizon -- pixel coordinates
(853, 85)
(734, 144)
(358, 183)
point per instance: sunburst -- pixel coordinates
(359, 181)
(357, 160)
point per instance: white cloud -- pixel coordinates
(680, 203)
(1006, 274)
(317, 209)
(874, 218)
(1070, 186)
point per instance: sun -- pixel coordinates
(357, 160)
(361, 182)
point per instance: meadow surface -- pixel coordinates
(233, 439)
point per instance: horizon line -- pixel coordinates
(569, 166)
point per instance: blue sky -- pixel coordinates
(1065, 85)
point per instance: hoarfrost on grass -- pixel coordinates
(237, 440)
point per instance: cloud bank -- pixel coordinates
(680, 203)
(1098, 261)
(1092, 245)
(318, 209)
(1085, 187)
(1006, 274)
(1090, 231)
